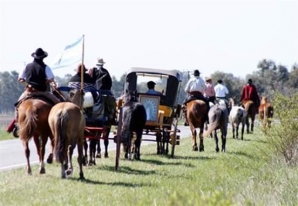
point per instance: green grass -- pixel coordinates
(247, 174)
(4, 135)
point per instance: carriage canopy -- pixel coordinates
(167, 81)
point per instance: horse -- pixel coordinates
(218, 119)
(266, 112)
(196, 111)
(251, 110)
(133, 122)
(67, 124)
(237, 115)
(33, 122)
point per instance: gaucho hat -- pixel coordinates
(39, 54)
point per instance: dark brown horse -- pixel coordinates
(196, 111)
(251, 110)
(33, 122)
(266, 112)
(67, 124)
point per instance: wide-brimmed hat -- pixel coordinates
(78, 69)
(100, 61)
(208, 79)
(196, 72)
(39, 54)
(151, 83)
(219, 81)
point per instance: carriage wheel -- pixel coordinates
(174, 137)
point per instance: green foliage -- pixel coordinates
(283, 136)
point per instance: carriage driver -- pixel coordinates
(37, 76)
(195, 88)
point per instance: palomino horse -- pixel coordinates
(133, 121)
(251, 110)
(33, 122)
(196, 111)
(236, 117)
(218, 119)
(266, 112)
(67, 124)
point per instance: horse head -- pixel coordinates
(264, 100)
(77, 97)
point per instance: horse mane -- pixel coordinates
(77, 97)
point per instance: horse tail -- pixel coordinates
(215, 122)
(61, 143)
(29, 124)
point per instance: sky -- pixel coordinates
(211, 35)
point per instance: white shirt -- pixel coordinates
(221, 90)
(195, 84)
(49, 73)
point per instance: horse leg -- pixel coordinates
(50, 157)
(216, 141)
(158, 142)
(40, 147)
(201, 140)
(98, 155)
(242, 130)
(247, 125)
(237, 129)
(80, 158)
(63, 175)
(69, 160)
(138, 145)
(252, 124)
(194, 139)
(85, 156)
(27, 154)
(233, 130)
(106, 142)
(92, 151)
(223, 142)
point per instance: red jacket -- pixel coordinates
(249, 92)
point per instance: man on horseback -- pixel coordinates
(37, 77)
(221, 91)
(210, 92)
(195, 88)
(101, 76)
(249, 92)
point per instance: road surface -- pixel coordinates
(12, 151)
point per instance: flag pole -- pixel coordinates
(82, 65)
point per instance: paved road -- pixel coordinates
(12, 152)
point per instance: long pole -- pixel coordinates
(82, 65)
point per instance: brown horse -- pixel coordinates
(266, 112)
(33, 122)
(251, 110)
(196, 111)
(67, 124)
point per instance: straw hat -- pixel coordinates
(100, 62)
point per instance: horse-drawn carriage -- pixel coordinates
(162, 110)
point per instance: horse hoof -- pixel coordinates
(106, 156)
(82, 177)
(50, 159)
(195, 148)
(68, 172)
(98, 155)
(42, 171)
(202, 150)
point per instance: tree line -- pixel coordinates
(269, 78)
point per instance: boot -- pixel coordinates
(11, 126)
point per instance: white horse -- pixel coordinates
(237, 115)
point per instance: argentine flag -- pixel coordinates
(72, 54)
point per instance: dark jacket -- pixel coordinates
(36, 75)
(102, 78)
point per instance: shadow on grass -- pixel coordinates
(239, 153)
(122, 184)
(127, 170)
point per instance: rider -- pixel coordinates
(37, 77)
(209, 92)
(249, 92)
(221, 91)
(101, 76)
(195, 87)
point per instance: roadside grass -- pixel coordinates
(247, 174)
(4, 135)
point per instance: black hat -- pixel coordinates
(219, 81)
(151, 83)
(39, 54)
(196, 73)
(249, 81)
